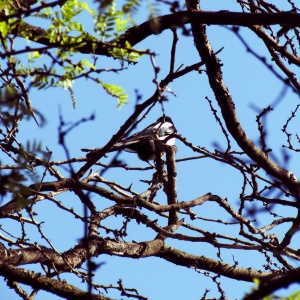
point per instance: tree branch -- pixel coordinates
(224, 99)
(37, 281)
(136, 34)
(97, 246)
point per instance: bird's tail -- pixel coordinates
(116, 147)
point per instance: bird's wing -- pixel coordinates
(118, 146)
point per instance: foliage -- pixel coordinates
(62, 68)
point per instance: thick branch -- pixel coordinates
(227, 106)
(268, 287)
(97, 246)
(201, 262)
(37, 281)
(156, 25)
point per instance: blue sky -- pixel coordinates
(251, 85)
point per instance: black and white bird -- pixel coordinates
(144, 143)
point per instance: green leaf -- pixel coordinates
(121, 25)
(117, 92)
(86, 63)
(34, 55)
(4, 29)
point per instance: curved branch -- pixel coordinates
(96, 246)
(268, 287)
(136, 34)
(224, 99)
(182, 258)
(37, 281)
(93, 247)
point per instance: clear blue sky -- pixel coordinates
(250, 83)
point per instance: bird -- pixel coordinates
(144, 143)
